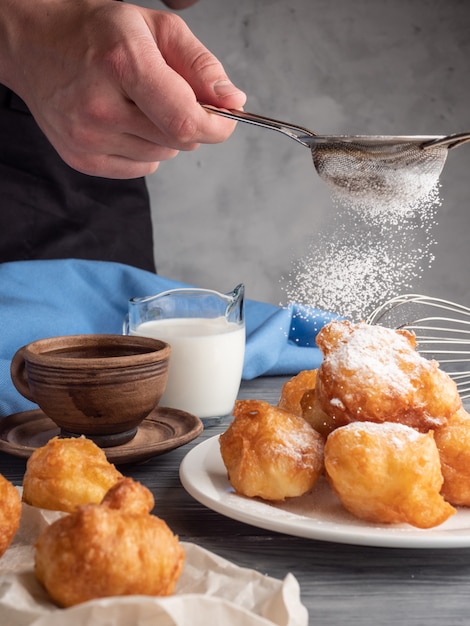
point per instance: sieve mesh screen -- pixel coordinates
(381, 172)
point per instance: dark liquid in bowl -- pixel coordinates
(102, 352)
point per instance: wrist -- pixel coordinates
(26, 27)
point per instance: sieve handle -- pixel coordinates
(298, 133)
(451, 141)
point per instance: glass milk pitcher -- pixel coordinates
(206, 332)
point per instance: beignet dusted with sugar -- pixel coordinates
(387, 473)
(270, 453)
(371, 373)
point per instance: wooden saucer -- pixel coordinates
(163, 430)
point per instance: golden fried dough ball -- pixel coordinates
(372, 373)
(387, 473)
(298, 397)
(314, 414)
(10, 513)
(293, 390)
(453, 443)
(269, 452)
(130, 496)
(99, 551)
(66, 473)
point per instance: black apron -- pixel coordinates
(49, 211)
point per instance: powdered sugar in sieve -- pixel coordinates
(379, 172)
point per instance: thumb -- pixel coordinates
(187, 56)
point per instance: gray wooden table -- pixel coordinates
(340, 584)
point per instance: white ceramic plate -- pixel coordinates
(318, 515)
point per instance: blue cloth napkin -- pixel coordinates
(65, 297)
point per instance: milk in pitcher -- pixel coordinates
(206, 363)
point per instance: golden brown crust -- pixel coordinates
(453, 443)
(298, 397)
(130, 496)
(314, 414)
(66, 473)
(10, 513)
(293, 390)
(270, 453)
(387, 473)
(99, 551)
(372, 373)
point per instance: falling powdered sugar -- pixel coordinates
(378, 245)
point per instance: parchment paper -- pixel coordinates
(211, 590)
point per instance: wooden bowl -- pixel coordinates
(100, 386)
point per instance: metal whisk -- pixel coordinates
(442, 330)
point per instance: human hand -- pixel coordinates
(114, 87)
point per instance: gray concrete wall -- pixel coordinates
(244, 210)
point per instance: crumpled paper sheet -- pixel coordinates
(210, 590)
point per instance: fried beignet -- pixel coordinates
(453, 443)
(298, 397)
(387, 473)
(66, 473)
(10, 513)
(100, 550)
(374, 374)
(314, 414)
(130, 496)
(293, 390)
(270, 453)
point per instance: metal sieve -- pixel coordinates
(358, 164)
